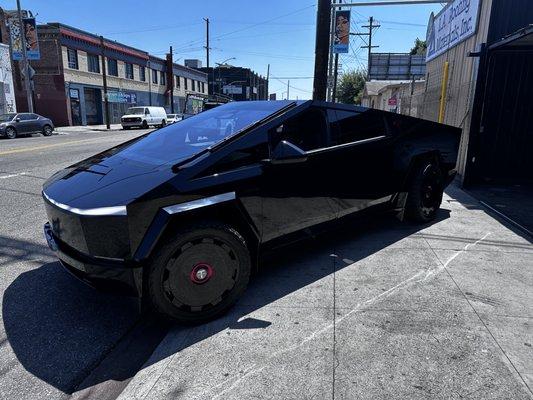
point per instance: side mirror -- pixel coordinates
(17, 119)
(287, 153)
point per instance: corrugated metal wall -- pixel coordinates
(508, 16)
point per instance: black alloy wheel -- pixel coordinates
(199, 273)
(425, 192)
(11, 133)
(47, 130)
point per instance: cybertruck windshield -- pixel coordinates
(197, 133)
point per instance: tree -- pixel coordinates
(350, 87)
(419, 48)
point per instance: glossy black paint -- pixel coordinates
(344, 159)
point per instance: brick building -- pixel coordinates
(236, 82)
(68, 80)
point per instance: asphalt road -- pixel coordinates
(54, 330)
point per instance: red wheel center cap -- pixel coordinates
(201, 273)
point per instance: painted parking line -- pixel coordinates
(12, 175)
(48, 146)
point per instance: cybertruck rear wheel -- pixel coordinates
(199, 273)
(425, 192)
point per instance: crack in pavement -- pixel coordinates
(421, 276)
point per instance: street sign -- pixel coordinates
(393, 101)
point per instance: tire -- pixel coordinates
(47, 130)
(163, 123)
(144, 125)
(126, 128)
(11, 132)
(199, 273)
(424, 196)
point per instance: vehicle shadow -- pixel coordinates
(58, 328)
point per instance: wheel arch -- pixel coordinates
(406, 165)
(166, 223)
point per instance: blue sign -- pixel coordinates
(122, 97)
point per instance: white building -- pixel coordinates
(7, 92)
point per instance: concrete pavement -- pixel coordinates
(385, 310)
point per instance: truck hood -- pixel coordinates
(133, 116)
(104, 182)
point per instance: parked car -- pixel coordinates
(180, 215)
(17, 124)
(171, 118)
(144, 117)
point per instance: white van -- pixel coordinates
(143, 117)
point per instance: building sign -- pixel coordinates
(29, 31)
(74, 94)
(454, 24)
(232, 89)
(122, 97)
(7, 95)
(341, 40)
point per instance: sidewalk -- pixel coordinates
(85, 128)
(390, 310)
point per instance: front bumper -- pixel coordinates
(131, 123)
(104, 274)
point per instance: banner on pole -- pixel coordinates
(29, 31)
(341, 40)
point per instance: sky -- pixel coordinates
(255, 33)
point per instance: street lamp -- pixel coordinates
(219, 65)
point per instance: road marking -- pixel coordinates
(47, 146)
(12, 175)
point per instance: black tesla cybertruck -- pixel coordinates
(179, 216)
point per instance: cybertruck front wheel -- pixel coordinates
(199, 273)
(425, 192)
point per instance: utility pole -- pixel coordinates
(322, 44)
(104, 76)
(207, 42)
(170, 80)
(288, 86)
(268, 76)
(335, 74)
(370, 27)
(25, 62)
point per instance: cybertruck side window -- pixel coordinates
(351, 126)
(307, 130)
(240, 158)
